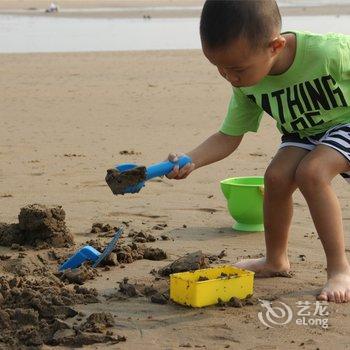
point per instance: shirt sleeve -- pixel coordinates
(243, 115)
(345, 58)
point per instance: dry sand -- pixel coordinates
(65, 118)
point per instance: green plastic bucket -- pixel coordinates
(245, 196)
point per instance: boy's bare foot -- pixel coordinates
(264, 269)
(337, 288)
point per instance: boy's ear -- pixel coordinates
(277, 44)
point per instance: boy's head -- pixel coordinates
(242, 38)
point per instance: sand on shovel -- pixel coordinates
(118, 181)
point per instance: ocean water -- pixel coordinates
(308, 3)
(24, 34)
(175, 9)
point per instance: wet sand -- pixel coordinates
(66, 118)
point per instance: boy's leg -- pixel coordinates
(278, 209)
(314, 175)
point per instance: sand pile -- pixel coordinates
(38, 226)
(36, 307)
(34, 312)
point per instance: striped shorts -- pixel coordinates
(337, 137)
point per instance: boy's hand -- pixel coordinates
(177, 173)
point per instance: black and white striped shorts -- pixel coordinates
(337, 137)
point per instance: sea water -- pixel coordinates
(26, 34)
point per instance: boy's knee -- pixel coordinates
(310, 174)
(276, 179)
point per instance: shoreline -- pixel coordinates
(114, 9)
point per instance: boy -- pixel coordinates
(303, 81)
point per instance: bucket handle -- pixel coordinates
(261, 190)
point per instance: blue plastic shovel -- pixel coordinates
(130, 178)
(89, 253)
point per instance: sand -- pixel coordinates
(66, 118)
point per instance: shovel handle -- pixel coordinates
(164, 168)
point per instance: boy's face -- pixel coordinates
(242, 65)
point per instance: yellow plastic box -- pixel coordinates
(205, 287)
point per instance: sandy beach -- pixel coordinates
(67, 117)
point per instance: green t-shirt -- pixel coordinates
(312, 96)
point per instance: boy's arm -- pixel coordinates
(216, 147)
(243, 115)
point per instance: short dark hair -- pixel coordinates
(223, 21)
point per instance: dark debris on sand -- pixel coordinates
(98, 322)
(79, 275)
(128, 253)
(190, 262)
(141, 236)
(157, 292)
(238, 303)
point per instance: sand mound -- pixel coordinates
(38, 226)
(32, 311)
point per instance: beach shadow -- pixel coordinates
(207, 233)
(301, 294)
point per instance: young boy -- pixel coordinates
(303, 81)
